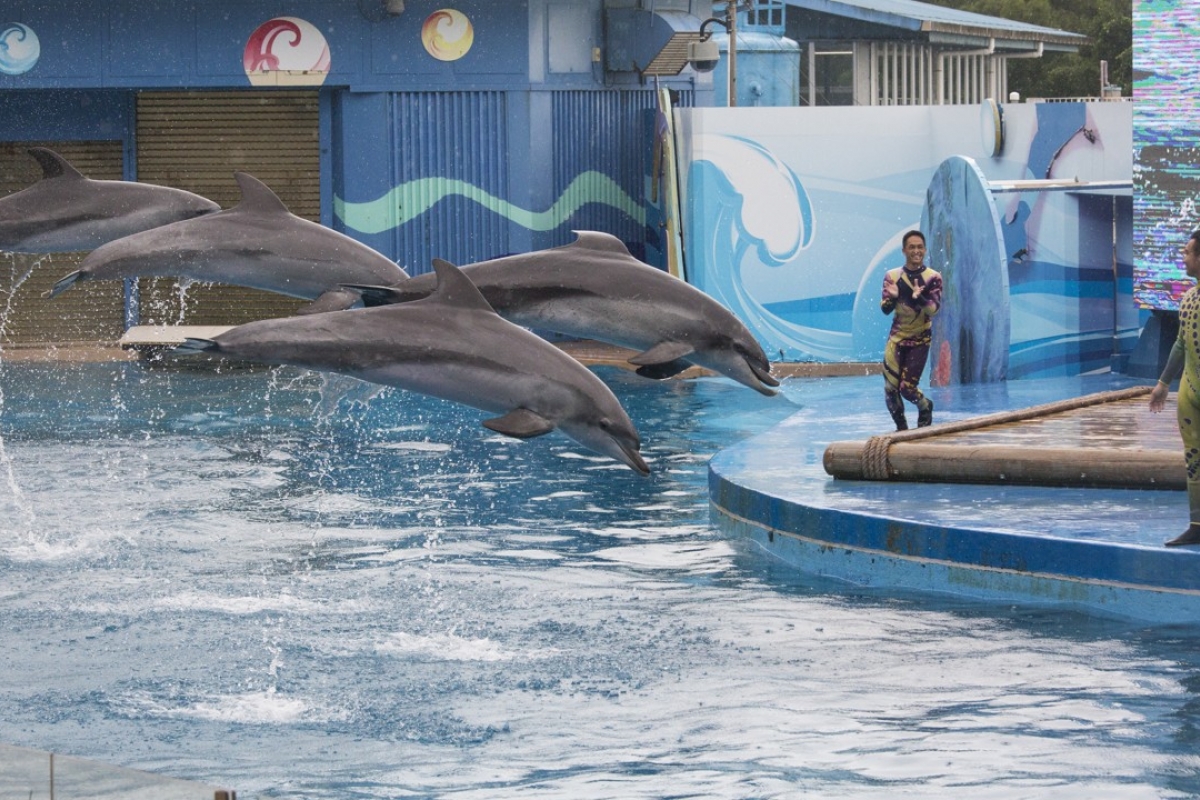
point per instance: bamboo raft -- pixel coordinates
(1108, 439)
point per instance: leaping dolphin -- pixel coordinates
(258, 243)
(594, 288)
(451, 345)
(65, 212)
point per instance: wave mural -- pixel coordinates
(792, 216)
(752, 208)
(414, 198)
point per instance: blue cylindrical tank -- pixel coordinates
(768, 70)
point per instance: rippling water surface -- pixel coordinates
(304, 588)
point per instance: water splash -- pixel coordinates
(24, 511)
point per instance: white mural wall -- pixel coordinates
(792, 215)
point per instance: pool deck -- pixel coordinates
(1095, 549)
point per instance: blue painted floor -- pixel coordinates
(909, 532)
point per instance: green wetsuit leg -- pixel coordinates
(1188, 414)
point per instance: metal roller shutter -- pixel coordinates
(89, 312)
(196, 141)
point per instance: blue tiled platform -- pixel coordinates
(1100, 550)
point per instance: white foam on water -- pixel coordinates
(691, 556)
(444, 647)
(415, 446)
(267, 707)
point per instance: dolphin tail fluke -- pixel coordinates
(520, 423)
(63, 284)
(379, 295)
(333, 300)
(191, 345)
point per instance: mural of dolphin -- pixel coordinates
(65, 212)
(258, 243)
(451, 345)
(594, 288)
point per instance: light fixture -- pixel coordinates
(394, 7)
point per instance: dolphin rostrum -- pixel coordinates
(65, 212)
(594, 288)
(258, 243)
(451, 345)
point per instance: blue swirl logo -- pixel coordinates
(19, 48)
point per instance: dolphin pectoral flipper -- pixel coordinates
(332, 300)
(662, 353)
(660, 372)
(63, 283)
(520, 423)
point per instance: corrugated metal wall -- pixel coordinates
(604, 132)
(456, 136)
(464, 137)
(89, 312)
(196, 141)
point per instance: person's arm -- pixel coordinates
(1171, 371)
(891, 293)
(931, 295)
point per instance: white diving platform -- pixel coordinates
(160, 337)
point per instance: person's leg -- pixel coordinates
(912, 360)
(1188, 414)
(891, 384)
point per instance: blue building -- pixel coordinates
(465, 132)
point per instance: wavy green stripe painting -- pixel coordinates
(410, 200)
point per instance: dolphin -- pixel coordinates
(65, 212)
(258, 243)
(451, 345)
(594, 288)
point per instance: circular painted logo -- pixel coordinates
(19, 48)
(447, 34)
(286, 51)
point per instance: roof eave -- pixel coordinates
(947, 33)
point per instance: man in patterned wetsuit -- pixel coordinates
(1185, 361)
(914, 294)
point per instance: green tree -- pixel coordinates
(1108, 24)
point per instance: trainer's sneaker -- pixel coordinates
(925, 413)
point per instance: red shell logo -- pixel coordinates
(286, 51)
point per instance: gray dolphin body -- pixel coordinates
(450, 345)
(65, 212)
(594, 288)
(258, 243)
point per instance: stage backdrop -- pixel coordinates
(792, 216)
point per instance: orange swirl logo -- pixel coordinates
(447, 34)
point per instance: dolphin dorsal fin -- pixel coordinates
(54, 165)
(455, 288)
(257, 196)
(597, 240)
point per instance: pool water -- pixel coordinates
(306, 587)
